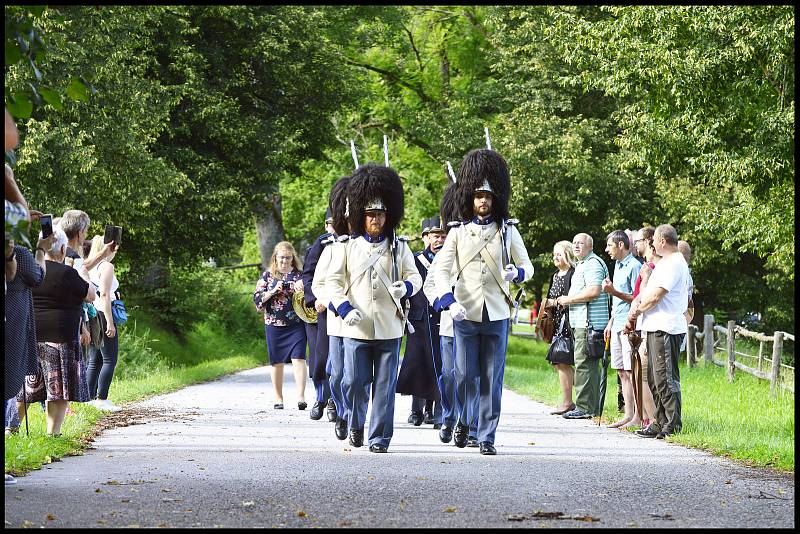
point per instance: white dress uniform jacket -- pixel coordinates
(477, 254)
(429, 288)
(334, 322)
(360, 273)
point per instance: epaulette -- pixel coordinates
(342, 238)
(328, 240)
(453, 224)
(402, 238)
(512, 221)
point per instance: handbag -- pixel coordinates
(547, 324)
(595, 344)
(118, 312)
(562, 349)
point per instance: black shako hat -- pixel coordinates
(482, 170)
(375, 187)
(337, 204)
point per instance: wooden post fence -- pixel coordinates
(777, 350)
(691, 348)
(708, 338)
(731, 348)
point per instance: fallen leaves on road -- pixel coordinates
(449, 509)
(50, 517)
(668, 517)
(552, 515)
(301, 514)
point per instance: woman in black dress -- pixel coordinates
(60, 376)
(564, 260)
(284, 330)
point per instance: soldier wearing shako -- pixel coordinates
(422, 360)
(316, 332)
(488, 253)
(369, 275)
(329, 322)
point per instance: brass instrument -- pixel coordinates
(306, 314)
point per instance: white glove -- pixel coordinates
(398, 289)
(510, 272)
(353, 318)
(458, 312)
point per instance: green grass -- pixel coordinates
(151, 362)
(739, 420)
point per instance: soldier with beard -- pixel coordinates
(369, 274)
(488, 253)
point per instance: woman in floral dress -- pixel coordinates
(285, 332)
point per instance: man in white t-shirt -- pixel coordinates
(662, 307)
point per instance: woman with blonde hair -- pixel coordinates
(284, 330)
(564, 260)
(102, 361)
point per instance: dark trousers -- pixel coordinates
(663, 353)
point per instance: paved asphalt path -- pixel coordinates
(217, 454)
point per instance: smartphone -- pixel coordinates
(47, 225)
(113, 234)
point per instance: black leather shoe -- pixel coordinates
(648, 432)
(445, 434)
(472, 442)
(460, 435)
(302, 405)
(377, 448)
(330, 410)
(663, 434)
(427, 418)
(316, 411)
(357, 437)
(415, 418)
(487, 449)
(341, 429)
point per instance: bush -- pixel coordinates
(137, 358)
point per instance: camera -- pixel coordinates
(113, 234)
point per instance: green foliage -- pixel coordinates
(25, 46)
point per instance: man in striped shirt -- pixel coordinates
(588, 308)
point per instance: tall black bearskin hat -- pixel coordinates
(485, 170)
(377, 187)
(448, 209)
(337, 203)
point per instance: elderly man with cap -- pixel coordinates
(318, 337)
(368, 276)
(330, 345)
(488, 253)
(422, 361)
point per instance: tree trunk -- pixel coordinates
(268, 216)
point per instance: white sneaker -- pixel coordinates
(94, 403)
(107, 406)
(10, 481)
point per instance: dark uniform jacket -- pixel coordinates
(317, 334)
(422, 360)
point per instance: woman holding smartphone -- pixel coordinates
(102, 362)
(284, 330)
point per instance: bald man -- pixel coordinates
(588, 309)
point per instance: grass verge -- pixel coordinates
(142, 371)
(738, 420)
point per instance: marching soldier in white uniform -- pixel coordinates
(327, 319)
(368, 276)
(488, 253)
